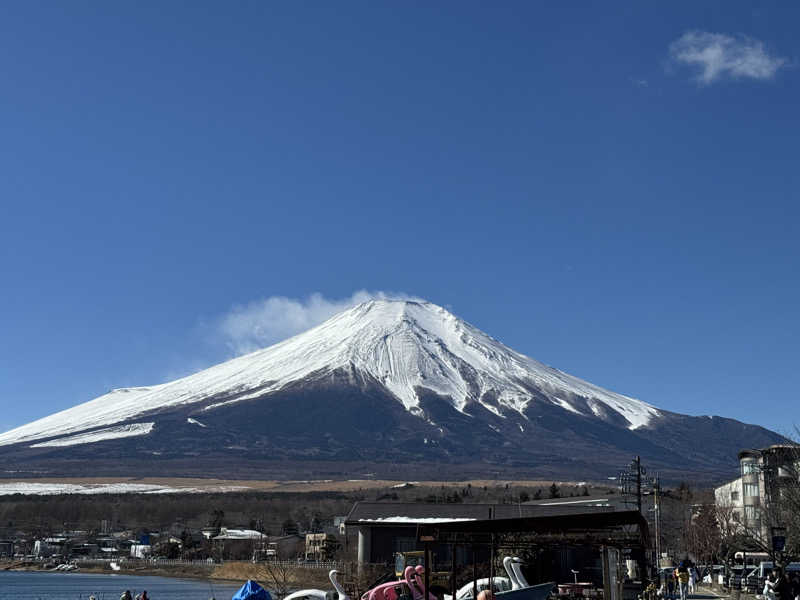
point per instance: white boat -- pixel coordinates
(532, 592)
(521, 589)
(312, 594)
(516, 567)
(499, 584)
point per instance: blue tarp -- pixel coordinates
(251, 591)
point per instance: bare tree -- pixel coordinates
(732, 534)
(704, 538)
(278, 576)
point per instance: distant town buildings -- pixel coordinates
(6, 548)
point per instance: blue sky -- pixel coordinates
(612, 191)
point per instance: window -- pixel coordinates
(735, 495)
(751, 490)
(750, 514)
(749, 466)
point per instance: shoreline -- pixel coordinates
(172, 573)
(231, 572)
(177, 572)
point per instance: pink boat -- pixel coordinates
(411, 587)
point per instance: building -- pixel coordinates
(85, 550)
(140, 550)
(600, 545)
(237, 544)
(387, 528)
(339, 525)
(595, 537)
(751, 499)
(321, 546)
(280, 548)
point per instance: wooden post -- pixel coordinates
(491, 565)
(453, 583)
(428, 570)
(474, 574)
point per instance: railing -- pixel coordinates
(126, 561)
(207, 562)
(317, 564)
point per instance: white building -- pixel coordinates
(141, 550)
(730, 495)
(749, 497)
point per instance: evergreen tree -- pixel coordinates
(289, 527)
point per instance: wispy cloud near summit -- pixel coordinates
(260, 323)
(717, 56)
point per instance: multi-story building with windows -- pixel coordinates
(752, 498)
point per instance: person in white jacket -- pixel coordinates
(769, 587)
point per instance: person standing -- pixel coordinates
(670, 585)
(783, 587)
(796, 586)
(769, 587)
(692, 580)
(682, 574)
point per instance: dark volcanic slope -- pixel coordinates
(337, 427)
(397, 389)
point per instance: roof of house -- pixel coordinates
(612, 501)
(239, 534)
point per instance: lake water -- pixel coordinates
(26, 585)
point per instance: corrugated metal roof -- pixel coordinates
(413, 513)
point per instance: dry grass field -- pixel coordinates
(198, 485)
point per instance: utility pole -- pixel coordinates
(638, 462)
(632, 481)
(657, 515)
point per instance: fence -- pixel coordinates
(209, 562)
(316, 564)
(128, 562)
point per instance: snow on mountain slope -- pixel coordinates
(404, 345)
(98, 435)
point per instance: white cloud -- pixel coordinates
(717, 56)
(261, 323)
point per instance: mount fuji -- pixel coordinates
(395, 388)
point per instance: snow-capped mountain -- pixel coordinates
(412, 371)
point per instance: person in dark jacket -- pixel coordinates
(783, 587)
(670, 586)
(795, 585)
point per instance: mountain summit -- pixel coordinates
(384, 381)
